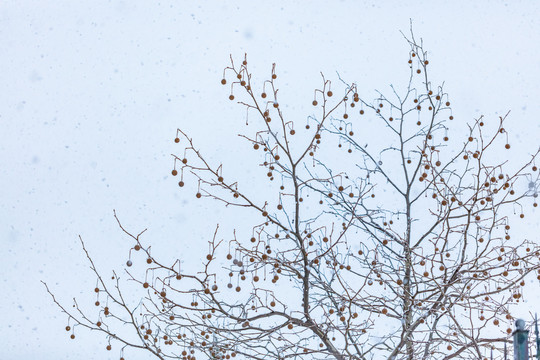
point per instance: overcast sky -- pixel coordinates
(92, 93)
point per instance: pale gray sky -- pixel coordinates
(93, 91)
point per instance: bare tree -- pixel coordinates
(395, 240)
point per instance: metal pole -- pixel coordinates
(537, 338)
(521, 348)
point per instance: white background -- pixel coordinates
(92, 93)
